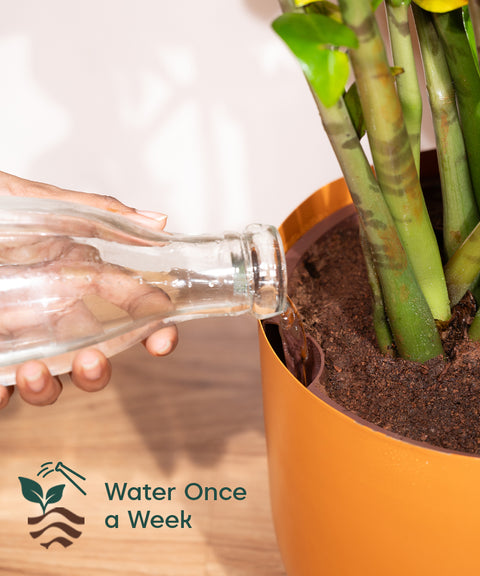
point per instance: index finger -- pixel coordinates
(15, 186)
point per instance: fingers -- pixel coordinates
(12, 185)
(36, 385)
(162, 342)
(5, 393)
(91, 370)
(149, 219)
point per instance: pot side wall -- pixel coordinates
(348, 499)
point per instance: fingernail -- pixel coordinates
(34, 377)
(157, 216)
(92, 369)
(162, 347)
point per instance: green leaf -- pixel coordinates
(309, 37)
(313, 29)
(31, 490)
(54, 494)
(376, 4)
(329, 76)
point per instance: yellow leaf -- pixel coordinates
(441, 5)
(303, 2)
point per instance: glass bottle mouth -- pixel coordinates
(269, 270)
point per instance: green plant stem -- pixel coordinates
(407, 82)
(289, 6)
(460, 214)
(463, 268)
(474, 9)
(474, 330)
(411, 321)
(380, 321)
(392, 155)
(326, 8)
(466, 80)
(409, 316)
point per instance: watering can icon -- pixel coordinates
(48, 467)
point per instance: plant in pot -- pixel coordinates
(374, 468)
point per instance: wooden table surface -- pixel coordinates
(193, 420)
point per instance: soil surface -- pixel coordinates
(437, 402)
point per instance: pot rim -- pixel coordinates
(295, 246)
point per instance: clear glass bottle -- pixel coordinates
(72, 276)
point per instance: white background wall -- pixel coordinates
(192, 108)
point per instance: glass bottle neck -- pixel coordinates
(202, 275)
(266, 266)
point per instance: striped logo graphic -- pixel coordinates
(58, 524)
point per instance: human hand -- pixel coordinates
(90, 368)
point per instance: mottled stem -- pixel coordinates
(383, 333)
(474, 9)
(411, 321)
(463, 268)
(474, 331)
(463, 71)
(460, 214)
(288, 6)
(392, 155)
(407, 82)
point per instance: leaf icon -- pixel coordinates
(54, 494)
(32, 491)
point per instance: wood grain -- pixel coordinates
(194, 417)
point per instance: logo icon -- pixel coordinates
(58, 521)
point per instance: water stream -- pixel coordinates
(294, 343)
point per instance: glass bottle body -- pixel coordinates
(72, 277)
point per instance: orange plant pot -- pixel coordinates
(348, 498)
